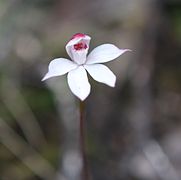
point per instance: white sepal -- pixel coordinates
(58, 67)
(78, 82)
(101, 73)
(104, 53)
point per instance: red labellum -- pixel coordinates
(80, 46)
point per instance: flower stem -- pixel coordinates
(85, 171)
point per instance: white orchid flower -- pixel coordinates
(77, 48)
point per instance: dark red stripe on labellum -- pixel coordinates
(80, 46)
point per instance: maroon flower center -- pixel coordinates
(80, 46)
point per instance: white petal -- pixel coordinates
(78, 82)
(104, 53)
(79, 56)
(101, 73)
(59, 67)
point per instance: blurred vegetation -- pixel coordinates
(133, 130)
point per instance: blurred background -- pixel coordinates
(133, 131)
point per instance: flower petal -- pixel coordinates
(78, 82)
(77, 48)
(101, 73)
(59, 67)
(104, 53)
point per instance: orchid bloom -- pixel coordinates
(77, 48)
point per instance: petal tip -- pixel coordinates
(125, 50)
(44, 78)
(82, 97)
(47, 76)
(114, 83)
(122, 51)
(129, 50)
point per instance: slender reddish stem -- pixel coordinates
(85, 170)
